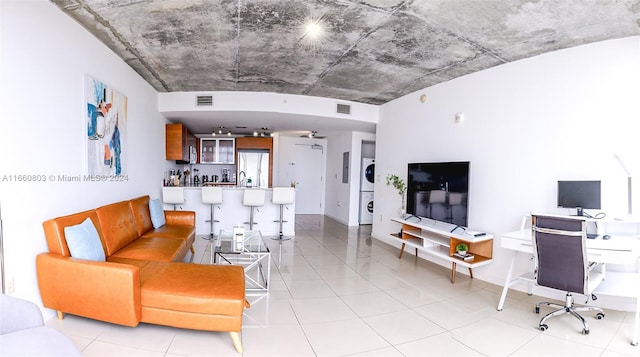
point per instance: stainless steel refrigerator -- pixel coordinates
(253, 168)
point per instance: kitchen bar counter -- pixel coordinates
(232, 212)
(223, 184)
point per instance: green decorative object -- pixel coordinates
(398, 184)
(461, 247)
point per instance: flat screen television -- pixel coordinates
(439, 191)
(579, 194)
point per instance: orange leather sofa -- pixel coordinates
(143, 278)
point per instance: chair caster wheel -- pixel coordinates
(543, 327)
(537, 310)
(585, 331)
(600, 316)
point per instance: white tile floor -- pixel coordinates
(337, 292)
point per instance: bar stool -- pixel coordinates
(173, 195)
(253, 198)
(282, 196)
(211, 196)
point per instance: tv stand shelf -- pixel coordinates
(436, 239)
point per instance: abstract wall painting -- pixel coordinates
(106, 119)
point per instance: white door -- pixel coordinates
(308, 177)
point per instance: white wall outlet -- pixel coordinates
(10, 288)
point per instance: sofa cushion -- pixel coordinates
(54, 230)
(186, 233)
(195, 288)
(22, 331)
(118, 226)
(84, 242)
(39, 341)
(157, 213)
(141, 213)
(156, 249)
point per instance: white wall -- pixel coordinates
(45, 56)
(343, 200)
(529, 123)
(286, 155)
(338, 195)
(284, 104)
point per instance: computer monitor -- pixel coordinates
(579, 195)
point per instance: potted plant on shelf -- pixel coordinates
(462, 249)
(398, 184)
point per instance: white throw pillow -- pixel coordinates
(157, 213)
(84, 242)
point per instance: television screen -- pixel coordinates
(439, 191)
(579, 194)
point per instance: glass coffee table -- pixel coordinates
(253, 255)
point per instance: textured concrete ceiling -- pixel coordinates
(373, 51)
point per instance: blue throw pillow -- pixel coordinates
(157, 213)
(84, 242)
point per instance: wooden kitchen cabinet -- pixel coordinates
(178, 139)
(254, 143)
(257, 143)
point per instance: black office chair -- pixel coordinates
(560, 256)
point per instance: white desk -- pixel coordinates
(620, 249)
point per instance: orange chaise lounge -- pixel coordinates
(122, 270)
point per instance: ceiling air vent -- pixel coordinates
(204, 101)
(343, 109)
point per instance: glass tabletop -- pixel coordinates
(252, 243)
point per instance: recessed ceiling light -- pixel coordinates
(313, 31)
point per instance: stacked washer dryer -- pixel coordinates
(366, 190)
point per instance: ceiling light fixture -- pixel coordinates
(314, 32)
(218, 131)
(243, 131)
(262, 132)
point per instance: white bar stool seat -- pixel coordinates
(282, 196)
(212, 196)
(173, 195)
(253, 198)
